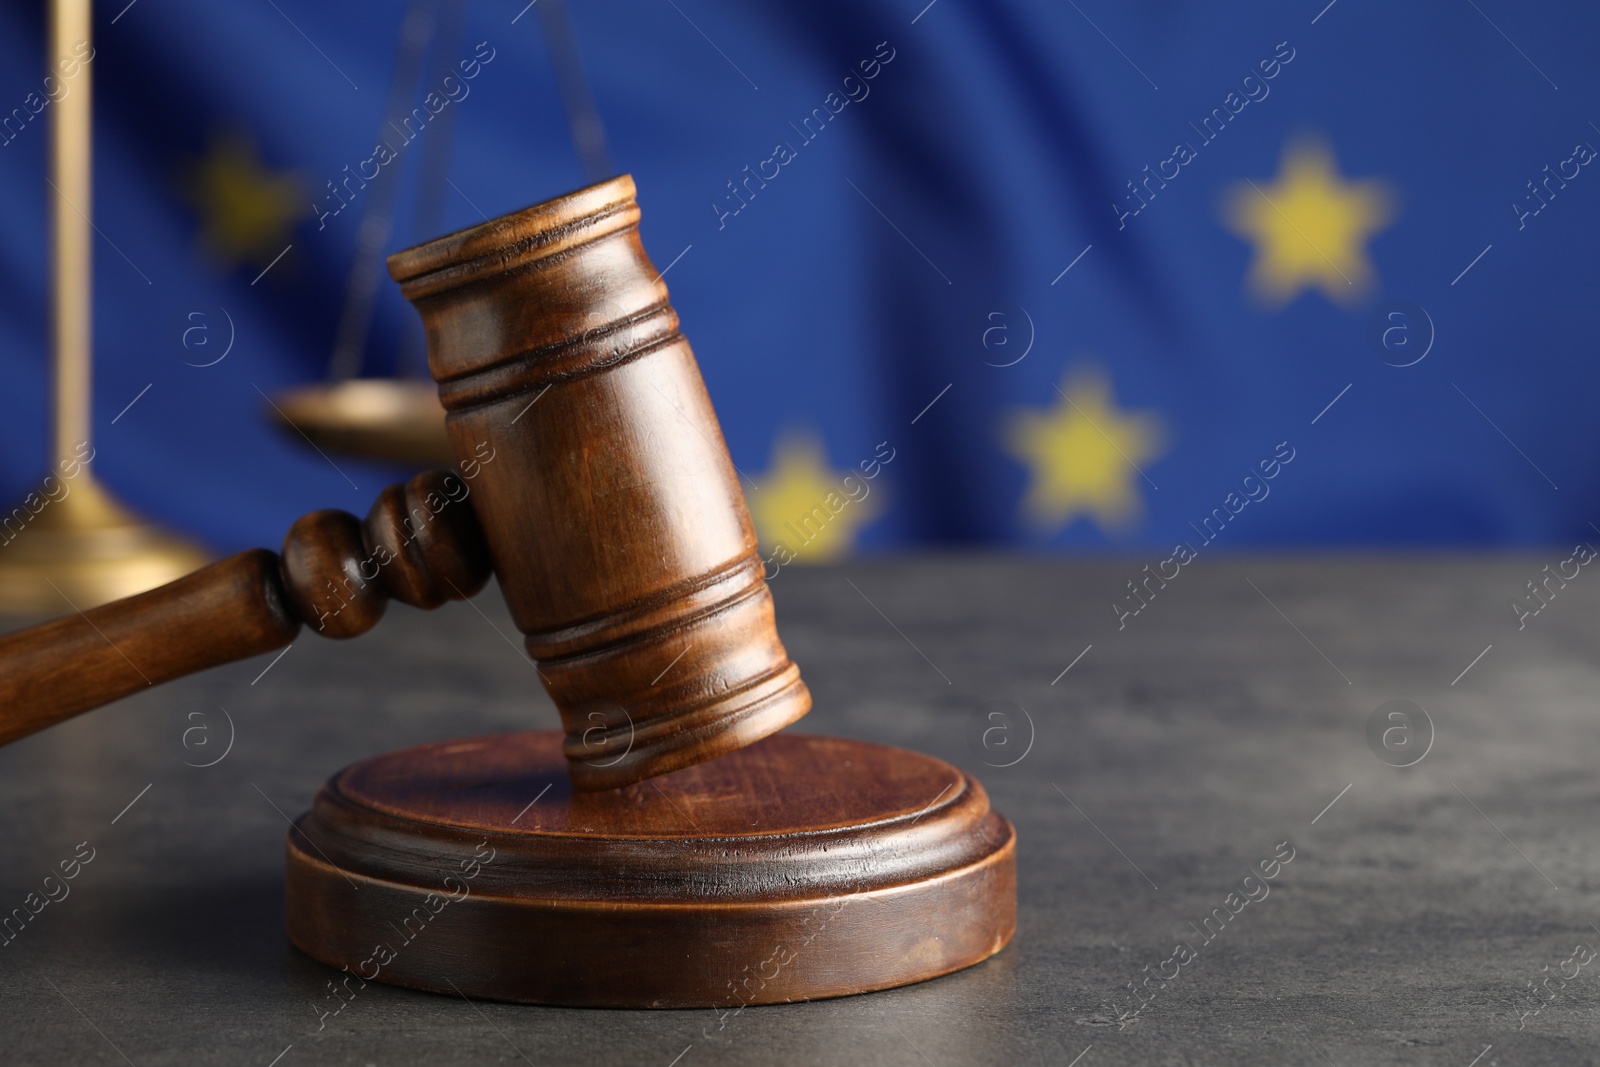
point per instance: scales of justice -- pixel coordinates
(670, 846)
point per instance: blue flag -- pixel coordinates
(1011, 273)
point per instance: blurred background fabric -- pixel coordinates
(1003, 273)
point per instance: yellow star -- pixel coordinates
(246, 212)
(1309, 228)
(1084, 454)
(805, 507)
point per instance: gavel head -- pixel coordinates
(610, 507)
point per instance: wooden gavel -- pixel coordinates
(599, 492)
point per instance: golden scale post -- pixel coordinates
(86, 548)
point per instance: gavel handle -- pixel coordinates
(226, 611)
(420, 544)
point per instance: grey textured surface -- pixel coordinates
(1406, 930)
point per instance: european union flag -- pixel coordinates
(1055, 275)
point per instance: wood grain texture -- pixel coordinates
(796, 868)
(336, 574)
(613, 514)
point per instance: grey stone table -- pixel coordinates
(1421, 908)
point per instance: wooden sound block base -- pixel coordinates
(796, 868)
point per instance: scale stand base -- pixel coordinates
(83, 550)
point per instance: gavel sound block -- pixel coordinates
(612, 865)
